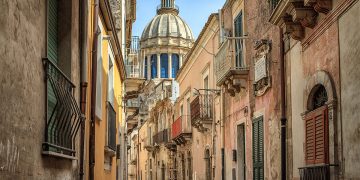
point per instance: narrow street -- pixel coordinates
(179, 90)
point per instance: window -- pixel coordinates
(207, 164)
(258, 149)
(238, 32)
(317, 128)
(188, 109)
(164, 65)
(146, 68)
(153, 66)
(175, 65)
(62, 109)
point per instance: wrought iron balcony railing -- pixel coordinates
(161, 137)
(202, 111)
(111, 126)
(133, 71)
(63, 113)
(181, 130)
(316, 172)
(135, 45)
(133, 103)
(230, 66)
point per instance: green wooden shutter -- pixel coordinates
(52, 55)
(258, 149)
(52, 31)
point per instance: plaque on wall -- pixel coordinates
(262, 81)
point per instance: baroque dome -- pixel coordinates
(167, 24)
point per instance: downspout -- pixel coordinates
(93, 90)
(83, 78)
(283, 106)
(222, 126)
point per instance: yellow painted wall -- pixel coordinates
(101, 123)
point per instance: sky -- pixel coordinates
(194, 12)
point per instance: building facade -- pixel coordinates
(320, 51)
(75, 68)
(197, 111)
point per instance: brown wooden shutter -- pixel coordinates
(316, 136)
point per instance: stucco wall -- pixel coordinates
(22, 93)
(349, 39)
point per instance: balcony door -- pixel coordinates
(238, 32)
(241, 152)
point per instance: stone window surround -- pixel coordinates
(323, 78)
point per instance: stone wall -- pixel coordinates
(349, 40)
(22, 92)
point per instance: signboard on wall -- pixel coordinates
(260, 69)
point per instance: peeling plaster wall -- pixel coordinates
(350, 100)
(22, 93)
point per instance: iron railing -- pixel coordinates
(132, 71)
(316, 172)
(111, 123)
(181, 126)
(134, 45)
(63, 113)
(229, 57)
(161, 137)
(133, 103)
(202, 107)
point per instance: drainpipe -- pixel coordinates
(83, 78)
(283, 111)
(93, 90)
(222, 126)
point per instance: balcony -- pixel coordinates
(297, 15)
(133, 103)
(63, 114)
(181, 130)
(230, 70)
(161, 137)
(202, 112)
(316, 172)
(132, 71)
(149, 145)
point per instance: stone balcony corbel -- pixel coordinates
(304, 14)
(294, 29)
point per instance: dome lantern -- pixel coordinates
(167, 6)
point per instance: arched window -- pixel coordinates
(146, 69)
(175, 65)
(153, 66)
(318, 97)
(317, 127)
(164, 65)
